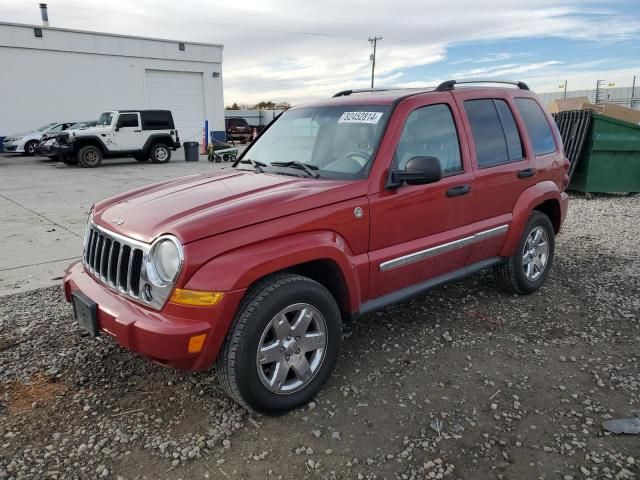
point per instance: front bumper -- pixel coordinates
(162, 336)
(65, 148)
(13, 147)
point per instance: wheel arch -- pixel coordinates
(81, 142)
(321, 256)
(156, 138)
(544, 197)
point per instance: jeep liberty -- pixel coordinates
(339, 208)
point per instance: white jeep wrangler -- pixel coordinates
(142, 134)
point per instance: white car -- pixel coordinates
(27, 142)
(142, 134)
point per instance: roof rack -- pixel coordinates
(345, 93)
(450, 84)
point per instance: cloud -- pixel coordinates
(290, 50)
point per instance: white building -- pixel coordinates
(54, 74)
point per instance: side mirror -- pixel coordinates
(117, 127)
(418, 171)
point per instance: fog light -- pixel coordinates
(196, 343)
(195, 298)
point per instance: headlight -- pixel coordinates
(165, 260)
(87, 229)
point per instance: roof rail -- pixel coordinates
(450, 84)
(344, 93)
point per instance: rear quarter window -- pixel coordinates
(157, 120)
(537, 126)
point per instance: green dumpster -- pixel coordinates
(610, 159)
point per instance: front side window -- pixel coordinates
(494, 130)
(430, 132)
(537, 125)
(128, 120)
(337, 142)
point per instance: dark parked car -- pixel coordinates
(237, 128)
(49, 138)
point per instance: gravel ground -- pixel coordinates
(466, 383)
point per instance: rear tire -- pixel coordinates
(89, 156)
(270, 366)
(526, 270)
(160, 153)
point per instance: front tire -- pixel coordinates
(89, 156)
(30, 148)
(282, 346)
(528, 268)
(160, 153)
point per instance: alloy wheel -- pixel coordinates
(291, 348)
(535, 254)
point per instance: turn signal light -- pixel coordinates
(195, 298)
(196, 343)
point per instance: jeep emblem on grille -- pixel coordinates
(118, 221)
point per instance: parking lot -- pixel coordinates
(44, 206)
(467, 382)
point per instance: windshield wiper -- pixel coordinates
(305, 167)
(257, 166)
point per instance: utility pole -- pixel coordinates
(373, 41)
(565, 89)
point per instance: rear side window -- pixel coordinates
(494, 130)
(537, 126)
(430, 131)
(157, 120)
(128, 120)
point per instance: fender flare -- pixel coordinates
(527, 202)
(94, 140)
(238, 269)
(153, 138)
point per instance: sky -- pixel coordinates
(294, 51)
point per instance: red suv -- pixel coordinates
(341, 207)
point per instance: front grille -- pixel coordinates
(114, 260)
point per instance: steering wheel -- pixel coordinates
(360, 157)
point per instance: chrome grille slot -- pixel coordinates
(115, 261)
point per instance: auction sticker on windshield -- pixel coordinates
(360, 117)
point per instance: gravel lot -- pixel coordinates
(467, 382)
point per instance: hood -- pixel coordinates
(90, 130)
(199, 206)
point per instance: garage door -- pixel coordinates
(182, 93)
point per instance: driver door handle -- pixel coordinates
(526, 173)
(458, 190)
(137, 130)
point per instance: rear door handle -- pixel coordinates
(526, 173)
(458, 190)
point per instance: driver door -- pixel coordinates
(128, 134)
(418, 232)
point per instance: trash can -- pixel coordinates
(610, 160)
(191, 153)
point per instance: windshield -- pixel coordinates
(336, 142)
(105, 118)
(45, 127)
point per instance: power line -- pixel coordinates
(207, 25)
